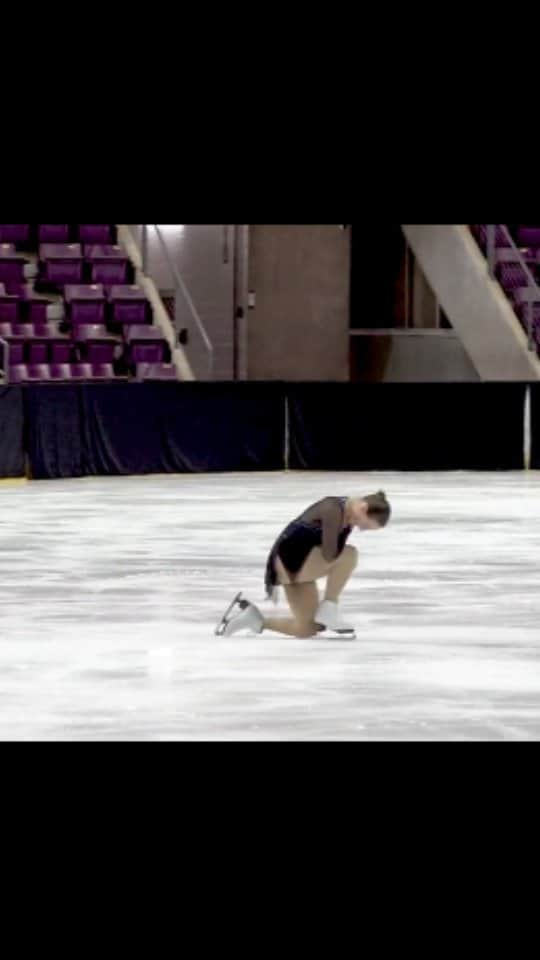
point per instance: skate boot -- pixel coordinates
(240, 615)
(329, 617)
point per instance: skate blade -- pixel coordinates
(338, 635)
(222, 625)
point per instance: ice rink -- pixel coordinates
(111, 589)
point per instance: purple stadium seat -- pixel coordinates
(527, 304)
(18, 373)
(6, 329)
(146, 344)
(95, 233)
(46, 344)
(53, 232)
(16, 351)
(99, 353)
(38, 371)
(109, 264)
(529, 236)
(511, 276)
(85, 303)
(110, 273)
(17, 338)
(12, 266)
(85, 331)
(509, 270)
(129, 304)
(147, 353)
(9, 307)
(99, 252)
(14, 232)
(38, 352)
(23, 331)
(36, 309)
(143, 333)
(62, 263)
(98, 344)
(45, 331)
(156, 371)
(61, 371)
(103, 371)
(19, 290)
(81, 371)
(61, 350)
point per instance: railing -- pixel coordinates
(186, 314)
(4, 366)
(532, 286)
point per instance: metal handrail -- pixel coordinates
(180, 285)
(532, 282)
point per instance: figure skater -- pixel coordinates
(310, 548)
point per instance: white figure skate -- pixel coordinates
(329, 617)
(240, 615)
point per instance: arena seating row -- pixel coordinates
(41, 343)
(67, 372)
(70, 309)
(30, 236)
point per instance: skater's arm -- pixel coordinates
(331, 520)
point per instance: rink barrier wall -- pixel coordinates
(535, 426)
(126, 429)
(55, 431)
(12, 452)
(406, 426)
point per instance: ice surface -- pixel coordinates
(110, 590)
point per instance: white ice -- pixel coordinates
(110, 590)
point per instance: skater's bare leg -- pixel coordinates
(303, 600)
(340, 573)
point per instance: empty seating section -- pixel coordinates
(511, 273)
(70, 309)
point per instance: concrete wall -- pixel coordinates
(413, 356)
(204, 254)
(299, 327)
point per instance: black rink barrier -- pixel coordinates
(120, 429)
(127, 429)
(12, 457)
(428, 426)
(535, 426)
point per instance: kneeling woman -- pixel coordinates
(312, 547)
